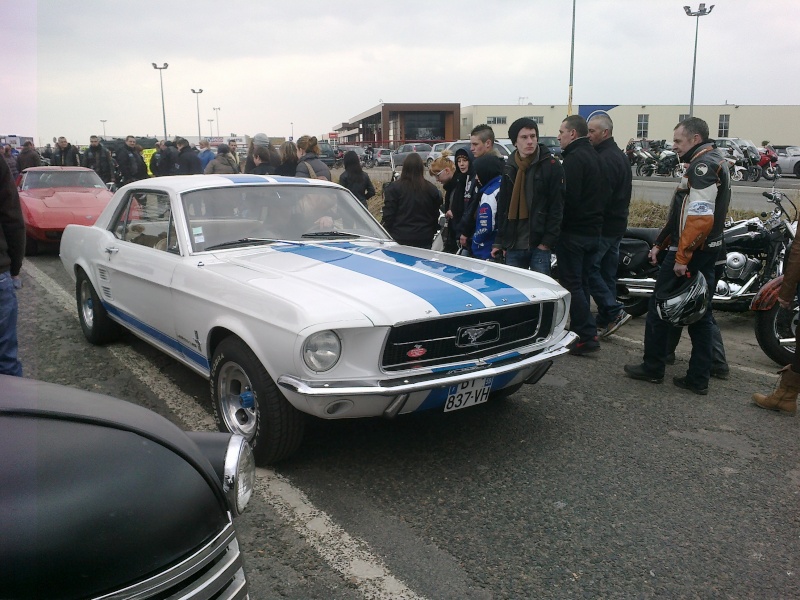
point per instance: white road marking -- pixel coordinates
(347, 555)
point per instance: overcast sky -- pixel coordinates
(267, 64)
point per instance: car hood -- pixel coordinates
(385, 283)
(70, 198)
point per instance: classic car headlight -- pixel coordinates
(322, 350)
(560, 311)
(240, 473)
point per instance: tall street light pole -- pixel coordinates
(163, 110)
(702, 11)
(103, 121)
(216, 110)
(571, 60)
(210, 128)
(197, 96)
(292, 126)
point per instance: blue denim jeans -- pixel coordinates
(533, 259)
(603, 280)
(657, 332)
(575, 254)
(9, 363)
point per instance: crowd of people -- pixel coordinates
(521, 211)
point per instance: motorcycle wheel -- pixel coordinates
(736, 175)
(774, 324)
(754, 173)
(770, 172)
(636, 306)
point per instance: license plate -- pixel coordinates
(468, 393)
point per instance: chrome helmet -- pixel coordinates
(684, 300)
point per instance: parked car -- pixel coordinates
(292, 299)
(552, 144)
(105, 499)
(436, 152)
(54, 197)
(503, 146)
(788, 159)
(327, 154)
(403, 151)
(382, 156)
(357, 149)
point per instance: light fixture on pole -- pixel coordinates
(571, 61)
(292, 126)
(163, 110)
(197, 96)
(702, 11)
(210, 128)
(216, 110)
(103, 121)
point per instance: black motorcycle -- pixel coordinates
(666, 163)
(755, 249)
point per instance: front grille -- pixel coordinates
(450, 339)
(213, 573)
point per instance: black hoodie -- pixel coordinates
(462, 198)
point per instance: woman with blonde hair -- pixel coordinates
(309, 165)
(288, 165)
(443, 170)
(411, 206)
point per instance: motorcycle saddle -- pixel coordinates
(647, 234)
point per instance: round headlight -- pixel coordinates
(322, 350)
(240, 473)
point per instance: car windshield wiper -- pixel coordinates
(350, 234)
(243, 242)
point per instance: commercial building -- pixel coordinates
(389, 125)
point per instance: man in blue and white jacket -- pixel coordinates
(489, 175)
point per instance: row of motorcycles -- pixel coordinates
(653, 158)
(753, 164)
(753, 272)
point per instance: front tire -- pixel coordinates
(771, 172)
(772, 325)
(97, 326)
(246, 401)
(754, 173)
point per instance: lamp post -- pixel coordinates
(197, 97)
(103, 121)
(210, 128)
(163, 110)
(571, 60)
(292, 126)
(702, 11)
(216, 110)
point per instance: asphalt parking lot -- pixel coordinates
(585, 485)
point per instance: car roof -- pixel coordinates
(44, 169)
(186, 183)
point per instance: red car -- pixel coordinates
(54, 197)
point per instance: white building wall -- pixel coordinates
(780, 124)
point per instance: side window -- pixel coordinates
(146, 220)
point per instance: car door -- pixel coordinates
(401, 153)
(142, 257)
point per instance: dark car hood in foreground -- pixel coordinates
(95, 493)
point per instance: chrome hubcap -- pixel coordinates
(87, 304)
(238, 402)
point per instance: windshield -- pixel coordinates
(53, 179)
(227, 215)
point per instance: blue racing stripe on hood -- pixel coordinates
(444, 297)
(501, 293)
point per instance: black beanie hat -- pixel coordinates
(488, 166)
(519, 124)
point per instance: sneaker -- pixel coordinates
(639, 372)
(685, 385)
(720, 372)
(621, 319)
(581, 347)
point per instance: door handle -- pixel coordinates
(111, 250)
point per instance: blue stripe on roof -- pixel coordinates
(144, 328)
(501, 293)
(446, 298)
(244, 178)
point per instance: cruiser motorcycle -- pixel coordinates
(667, 164)
(756, 249)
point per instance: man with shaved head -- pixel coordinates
(603, 272)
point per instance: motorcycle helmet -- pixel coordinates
(684, 300)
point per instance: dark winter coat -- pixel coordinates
(128, 165)
(68, 157)
(411, 217)
(12, 224)
(463, 210)
(587, 190)
(188, 162)
(287, 169)
(544, 195)
(28, 158)
(617, 169)
(99, 160)
(319, 167)
(359, 184)
(222, 164)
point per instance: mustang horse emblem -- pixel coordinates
(469, 336)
